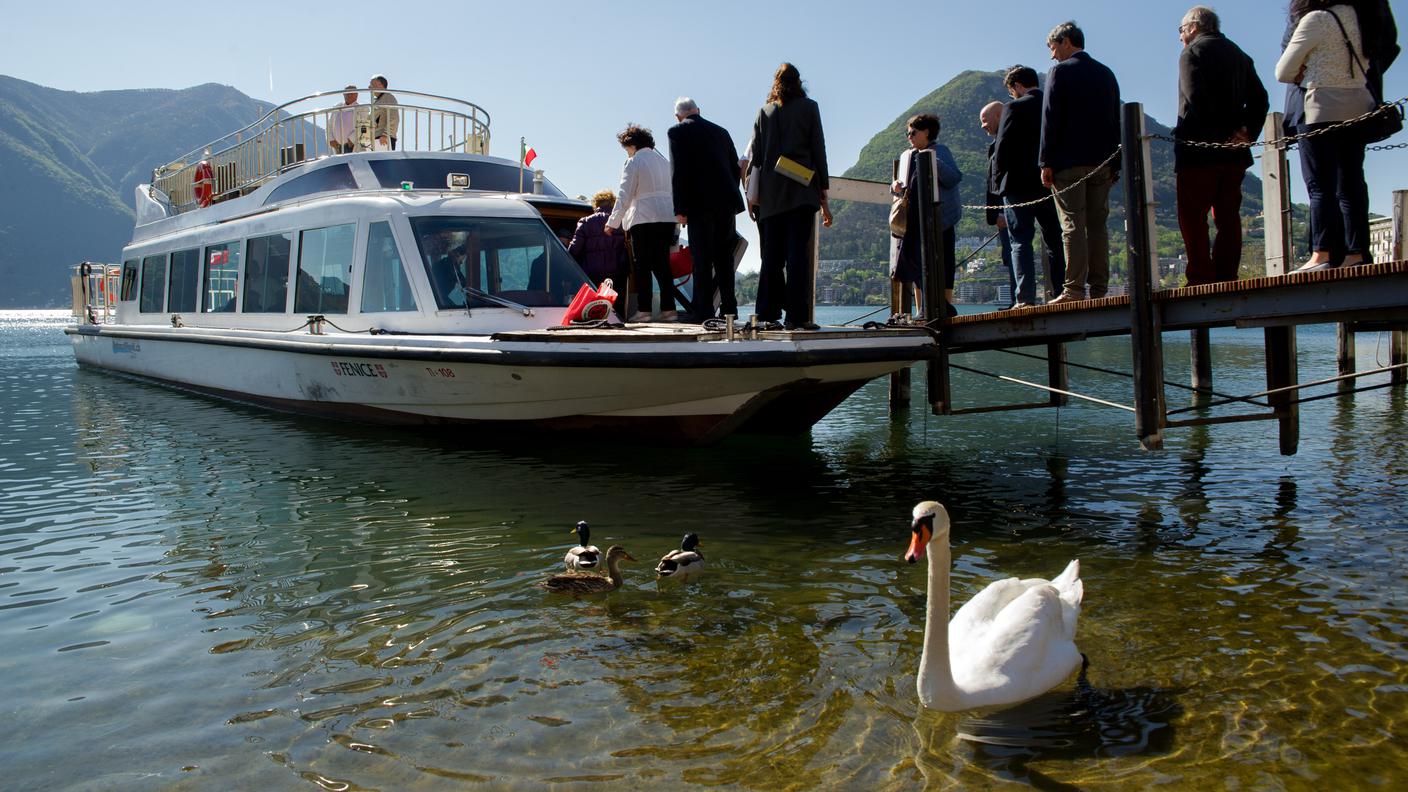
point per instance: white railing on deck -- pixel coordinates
(296, 132)
(94, 289)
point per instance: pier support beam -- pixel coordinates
(1056, 374)
(1344, 355)
(900, 380)
(1201, 352)
(1146, 331)
(1281, 372)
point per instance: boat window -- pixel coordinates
(266, 274)
(153, 299)
(384, 283)
(324, 269)
(430, 174)
(516, 259)
(185, 276)
(129, 280)
(334, 177)
(222, 269)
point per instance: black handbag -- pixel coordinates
(1387, 120)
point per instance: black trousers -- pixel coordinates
(1333, 167)
(712, 238)
(650, 243)
(785, 279)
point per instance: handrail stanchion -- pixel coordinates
(1145, 326)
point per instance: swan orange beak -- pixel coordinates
(917, 542)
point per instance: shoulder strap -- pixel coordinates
(1354, 56)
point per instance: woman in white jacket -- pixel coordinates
(646, 209)
(1326, 57)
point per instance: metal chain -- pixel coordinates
(1291, 139)
(1054, 193)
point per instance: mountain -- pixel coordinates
(69, 163)
(860, 231)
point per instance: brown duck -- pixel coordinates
(592, 584)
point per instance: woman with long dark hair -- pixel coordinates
(789, 152)
(1327, 58)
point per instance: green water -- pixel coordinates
(197, 595)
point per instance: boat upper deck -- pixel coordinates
(315, 126)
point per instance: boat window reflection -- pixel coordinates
(185, 276)
(324, 269)
(329, 179)
(514, 259)
(222, 268)
(129, 280)
(153, 298)
(266, 274)
(384, 283)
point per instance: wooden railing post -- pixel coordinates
(1276, 201)
(1146, 333)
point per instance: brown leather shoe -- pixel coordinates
(1068, 297)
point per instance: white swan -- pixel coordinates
(1013, 641)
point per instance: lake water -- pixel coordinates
(199, 595)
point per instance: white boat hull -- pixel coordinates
(693, 387)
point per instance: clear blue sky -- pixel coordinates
(569, 75)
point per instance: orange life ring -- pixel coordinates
(204, 183)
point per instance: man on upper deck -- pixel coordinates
(342, 124)
(386, 119)
(1220, 100)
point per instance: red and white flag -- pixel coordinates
(529, 156)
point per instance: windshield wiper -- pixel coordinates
(497, 300)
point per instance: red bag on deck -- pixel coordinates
(681, 264)
(590, 305)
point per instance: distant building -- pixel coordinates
(1004, 294)
(967, 293)
(834, 266)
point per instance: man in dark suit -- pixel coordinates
(1220, 100)
(1080, 130)
(705, 181)
(988, 119)
(1017, 178)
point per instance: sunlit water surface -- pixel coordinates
(200, 595)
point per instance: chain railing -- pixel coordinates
(1054, 193)
(1289, 141)
(296, 132)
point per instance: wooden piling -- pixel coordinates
(932, 254)
(1397, 356)
(1201, 351)
(1276, 201)
(1344, 355)
(1281, 372)
(1145, 329)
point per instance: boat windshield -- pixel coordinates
(514, 259)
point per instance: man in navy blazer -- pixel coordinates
(1080, 130)
(1017, 178)
(705, 181)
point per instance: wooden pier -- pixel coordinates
(1368, 298)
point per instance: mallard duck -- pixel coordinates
(577, 583)
(585, 555)
(1013, 641)
(683, 563)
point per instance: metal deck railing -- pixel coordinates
(297, 131)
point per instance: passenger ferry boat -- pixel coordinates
(423, 285)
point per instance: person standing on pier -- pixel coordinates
(1080, 130)
(789, 151)
(1220, 100)
(988, 119)
(1018, 180)
(704, 181)
(923, 133)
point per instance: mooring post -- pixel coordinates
(1344, 355)
(1144, 326)
(1202, 360)
(1276, 200)
(932, 254)
(901, 301)
(814, 268)
(1397, 356)
(1281, 372)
